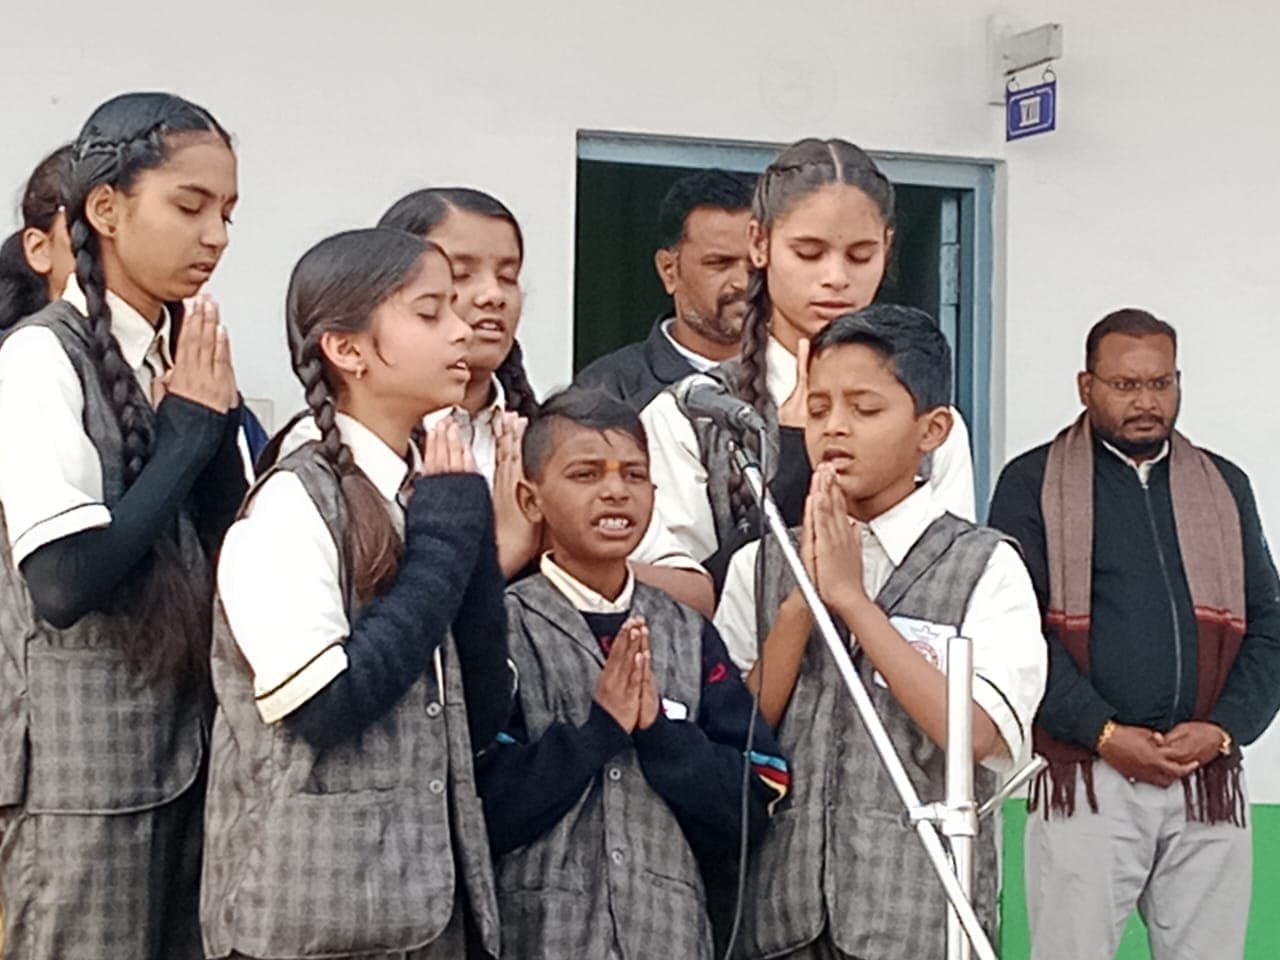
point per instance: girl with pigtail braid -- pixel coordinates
(112, 500)
(360, 638)
(485, 245)
(821, 233)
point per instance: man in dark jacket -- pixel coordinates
(1162, 614)
(702, 262)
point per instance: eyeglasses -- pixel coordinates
(1130, 385)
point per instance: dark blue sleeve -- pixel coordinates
(697, 765)
(528, 786)
(221, 486)
(480, 636)
(396, 634)
(80, 573)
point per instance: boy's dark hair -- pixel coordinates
(421, 212)
(705, 188)
(585, 407)
(907, 338)
(22, 290)
(1130, 321)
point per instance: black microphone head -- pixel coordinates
(697, 382)
(703, 397)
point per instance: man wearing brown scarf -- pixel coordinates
(1162, 612)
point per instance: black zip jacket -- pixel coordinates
(1143, 645)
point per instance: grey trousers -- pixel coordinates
(1190, 881)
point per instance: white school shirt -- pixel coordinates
(279, 579)
(50, 472)
(1010, 658)
(583, 597)
(681, 477)
(477, 429)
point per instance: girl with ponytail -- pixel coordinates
(36, 260)
(359, 641)
(821, 234)
(118, 418)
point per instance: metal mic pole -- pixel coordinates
(924, 819)
(959, 822)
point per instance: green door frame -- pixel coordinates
(971, 331)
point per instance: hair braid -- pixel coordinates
(130, 407)
(374, 546)
(515, 381)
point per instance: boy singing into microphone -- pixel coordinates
(840, 874)
(621, 772)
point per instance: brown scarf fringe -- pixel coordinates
(1213, 794)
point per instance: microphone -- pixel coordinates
(703, 397)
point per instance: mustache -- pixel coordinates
(1146, 418)
(729, 299)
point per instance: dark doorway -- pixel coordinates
(617, 295)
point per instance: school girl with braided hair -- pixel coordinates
(359, 642)
(36, 259)
(485, 246)
(821, 235)
(118, 418)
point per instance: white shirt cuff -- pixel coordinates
(281, 700)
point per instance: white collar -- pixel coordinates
(386, 469)
(132, 330)
(1142, 469)
(583, 597)
(696, 360)
(495, 407)
(781, 373)
(899, 527)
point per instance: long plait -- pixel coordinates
(130, 406)
(169, 635)
(374, 546)
(752, 385)
(511, 374)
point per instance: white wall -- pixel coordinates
(1157, 190)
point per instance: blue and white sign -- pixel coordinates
(1031, 111)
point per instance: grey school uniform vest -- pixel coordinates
(349, 850)
(715, 448)
(838, 853)
(82, 730)
(615, 877)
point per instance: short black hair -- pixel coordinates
(1130, 321)
(908, 338)
(705, 188)
(584, 407)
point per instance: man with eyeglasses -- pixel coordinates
(1162, 614)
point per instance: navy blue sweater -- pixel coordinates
(449, 578)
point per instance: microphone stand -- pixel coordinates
(957, 817)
